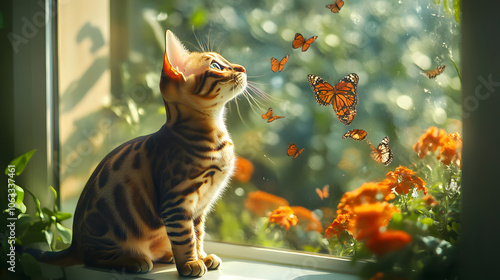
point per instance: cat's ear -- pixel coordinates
(175, 57)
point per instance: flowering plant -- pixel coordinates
(406, 226)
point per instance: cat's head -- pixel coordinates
(203, 81)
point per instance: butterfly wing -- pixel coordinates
(298, 41)
(382, 154)
(356, 134)
(275, 64)
(335, 7)
(345, 98)
(323, 91)
(273, 118)
(292, 149)
(320, 193)
(283, 62)
(308, 42)
(268, 114)
(298, 153)
(323, 193)
(433, 73)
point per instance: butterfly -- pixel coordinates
(431, 74)
(278, 65)
(342, 97)
(299, 41)
(323, 193)
(293, 151)
(356, 134)
(382, 154)
(269, 116)
(335, 7)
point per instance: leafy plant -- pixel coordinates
(42, 230)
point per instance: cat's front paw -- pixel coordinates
(195, 268)
(212, 262)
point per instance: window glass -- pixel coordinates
(110, 65)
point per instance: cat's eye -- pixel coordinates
(215, 65)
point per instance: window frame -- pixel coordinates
(35, 126)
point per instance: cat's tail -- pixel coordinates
(66, 257)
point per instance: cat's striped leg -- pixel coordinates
(181, 232)
(211, 261)
(107, 254)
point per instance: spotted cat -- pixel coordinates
(147, 200)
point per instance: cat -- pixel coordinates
(147, 200)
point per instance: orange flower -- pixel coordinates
(430, 200)
(450, 145)
(451, 149)
(244, 170)
(338, 226)
(283, 216)
(261, 202)
(369, 218)
(388, 241)
(307, 216)
(367, 193)
(403, 179)
(429, 141)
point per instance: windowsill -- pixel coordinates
(238, 262)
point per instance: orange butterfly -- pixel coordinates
(299, 41)
(269, 116)
(323, 193)
(335, 7)
(382, 154)
(356, 134)
(342, 97)
(431, 74)
(293, 151)
(278, 65)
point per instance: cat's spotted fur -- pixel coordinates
(147, 200)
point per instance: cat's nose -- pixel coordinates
(240, 69)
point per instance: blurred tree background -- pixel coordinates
(382, 41)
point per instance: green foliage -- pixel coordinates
(43, 230)
(20, 162)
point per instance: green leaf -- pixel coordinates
(30, 266)
(397, 218)
(37, 202)
(54, 191)
(20, 162)
(456, 68)
(446, 7)
(427, 221)
(456, 7)
(20, 199)
(64, 232)
(49, 237)
(457, 227)
(62, 216)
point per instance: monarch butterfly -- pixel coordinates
(356, 134)
(269, 116)
(299, 41)
(342, 97)
(293, 151)
(278, 65)
(431, 74)
(382, 154)
(323, 193)
(335, 7)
